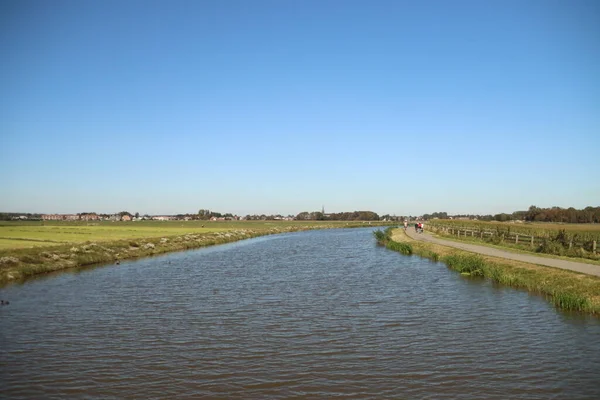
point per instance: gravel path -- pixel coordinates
(589, 269)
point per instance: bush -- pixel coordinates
(549, 246)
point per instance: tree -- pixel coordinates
(502, 217)
(533, 213)
(303, 215)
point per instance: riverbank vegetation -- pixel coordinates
(565, 289)
(31, 248)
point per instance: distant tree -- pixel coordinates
(318, 216)
(304, 215)
(502, 217)
(533, 213)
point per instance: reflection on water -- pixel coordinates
(310, 314)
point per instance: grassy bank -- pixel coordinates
(565, 289)
(60, 246)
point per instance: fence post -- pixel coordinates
(594, 246)
(532, 237)
(570, 243)
(517, 239)
(482, 234)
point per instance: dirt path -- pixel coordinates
(589, 269)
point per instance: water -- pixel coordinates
(315, 314)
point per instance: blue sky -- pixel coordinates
(286, 106)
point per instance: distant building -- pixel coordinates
(60, 217)
(163, 218)
(89, 217)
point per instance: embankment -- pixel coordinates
(565, 289)
(19, 264)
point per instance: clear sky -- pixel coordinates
(285, 106)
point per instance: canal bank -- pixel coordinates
(566, 289)
(20, 264)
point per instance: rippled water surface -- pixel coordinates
(306, 315)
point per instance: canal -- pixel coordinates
(314, 314)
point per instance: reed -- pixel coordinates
(403, 248)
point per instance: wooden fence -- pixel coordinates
(516, 238)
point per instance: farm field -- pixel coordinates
(16, 235)
(571, 240)
(539, 228)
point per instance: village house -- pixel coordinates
(89, 217)
(60, 217)
(162, 218)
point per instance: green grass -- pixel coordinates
(384, 239)
(21, 243)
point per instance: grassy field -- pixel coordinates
(14, 235)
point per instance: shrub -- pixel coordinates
(549, 246)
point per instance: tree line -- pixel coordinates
(534, 214)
